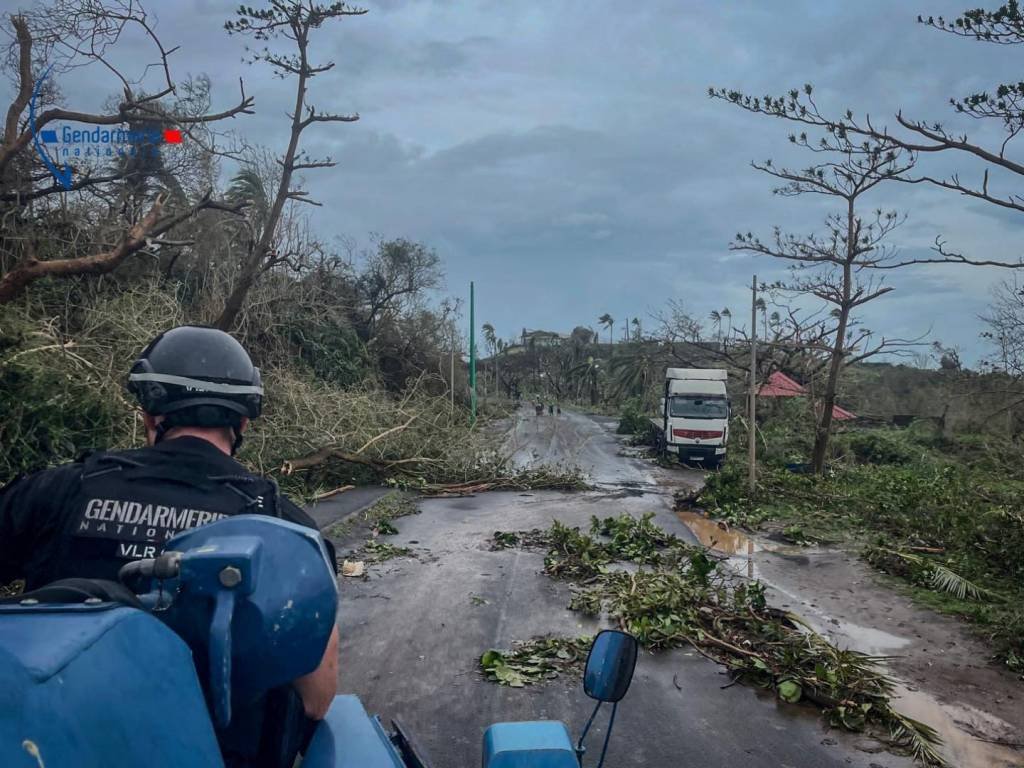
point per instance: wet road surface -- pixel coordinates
(336, 508)
(413, 631)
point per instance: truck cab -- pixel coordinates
(695, 415)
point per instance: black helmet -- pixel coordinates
(197, 376)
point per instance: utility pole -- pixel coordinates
(751, 410)
(472, 357)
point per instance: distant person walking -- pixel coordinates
(551, 409)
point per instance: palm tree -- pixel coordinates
(759, 304)
(608, 322)
(716, 319)
(491, 340)
(501, 345)
(586, 373)
(632, 372)
(636, 327)
(247, 187)
(728, 316)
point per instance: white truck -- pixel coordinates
(694, 416)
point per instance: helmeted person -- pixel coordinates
(198, 390)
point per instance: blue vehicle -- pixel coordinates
(169, 676)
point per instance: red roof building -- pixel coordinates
(780, 385)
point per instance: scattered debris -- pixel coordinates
(384, 528)
(931, 572)
(536, 660)
(379, 516)
(374, 551)
(335, 492)
(794, 534)
(943, 514)
(530, 478)
(352, 568)
(534, 538)
(679, 596)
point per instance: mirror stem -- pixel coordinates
(580, 749)
(608, 734)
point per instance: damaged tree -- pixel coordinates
(829, 267)
(832, 267)
(292, 20)
(74, 34)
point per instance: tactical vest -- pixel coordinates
(128, 505)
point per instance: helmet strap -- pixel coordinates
(161, 431)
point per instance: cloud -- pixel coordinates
(566, 157)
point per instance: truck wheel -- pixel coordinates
(715, 463)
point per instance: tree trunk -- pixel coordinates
(254, 265)
(824, 428)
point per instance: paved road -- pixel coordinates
(337, 508)
(412, 632)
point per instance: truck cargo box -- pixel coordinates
(704, 374)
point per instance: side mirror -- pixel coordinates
(610, 665)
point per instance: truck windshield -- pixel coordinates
(698, 407)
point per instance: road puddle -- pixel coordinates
(864, 639)
(717, 536)
(959, 747)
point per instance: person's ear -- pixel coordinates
(150, 422)
(243, 424)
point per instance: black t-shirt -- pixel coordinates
(89, 518)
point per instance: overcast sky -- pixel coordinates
(565, 156)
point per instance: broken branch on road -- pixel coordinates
(679, 596)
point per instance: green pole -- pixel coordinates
(472, 358)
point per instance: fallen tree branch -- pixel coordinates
(329, 494)
(150, 226)
(387, 432)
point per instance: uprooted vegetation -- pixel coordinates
(62, 393)
(946, 515)
(668, 594)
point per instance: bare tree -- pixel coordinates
(1005, 322)
(50, 42)
(836, 267)
(1003, 104)
(293, 20)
